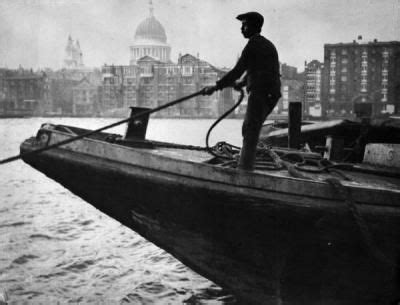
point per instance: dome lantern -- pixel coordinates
(150, 40)
(151, 28)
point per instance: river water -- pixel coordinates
(56, 248)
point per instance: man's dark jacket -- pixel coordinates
(260, 59)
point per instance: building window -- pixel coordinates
(385, 54)
(187, 70)
(363, 87)
(390, 109)
(364, 55)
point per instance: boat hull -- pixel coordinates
(265, 250)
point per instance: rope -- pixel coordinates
(280, 164)
(324, 165)
(362, 225)
(211, 151)
(17, 157)
(178, 146)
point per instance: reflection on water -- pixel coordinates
(54, 247)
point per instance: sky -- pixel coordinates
(34, 33)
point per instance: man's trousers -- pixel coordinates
(259, 105)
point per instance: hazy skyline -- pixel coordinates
(34, 33)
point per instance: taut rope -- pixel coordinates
(17, 157)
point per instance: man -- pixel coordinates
(259, 59)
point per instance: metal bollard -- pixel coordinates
(136, 129)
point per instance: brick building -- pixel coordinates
(292, 90)
(84, 98)
(62, 83)
(289, 72)
(152, 83)
(24, 92)
(312, 88)
(118, 89)
(361, 73)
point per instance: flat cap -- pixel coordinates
(253, 17)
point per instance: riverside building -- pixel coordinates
(312, 88)
(23, 93)
(365, 74)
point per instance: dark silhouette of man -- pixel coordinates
(259, 60)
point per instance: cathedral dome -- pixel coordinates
(151, 29)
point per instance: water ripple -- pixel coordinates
(85, 222)
(43, 236)
(14, 224)
(23, 259)
(29, 294)
(80, 266)
(134, 298)
(51, 275)
(152, 287)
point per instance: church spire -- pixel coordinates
(69, 46)
(73, 54)
(151, 8)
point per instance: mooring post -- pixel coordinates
(294, 124)
(136, 129)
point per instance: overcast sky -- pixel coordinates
(34, 33)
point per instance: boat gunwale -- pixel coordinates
(239, 181)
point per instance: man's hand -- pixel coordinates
(239, 85)
(209, 90)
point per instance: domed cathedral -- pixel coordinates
(150, 40)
